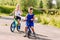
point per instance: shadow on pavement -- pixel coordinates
(22, 32)
(41, 35)
(39, 38)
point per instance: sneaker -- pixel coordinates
(18, 30)
(25, 36)
(34, 34)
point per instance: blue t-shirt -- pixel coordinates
(28, 21)
(29, 17)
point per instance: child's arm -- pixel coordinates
(33, 18)
(13, 13)
(21, 12)
(26, 18)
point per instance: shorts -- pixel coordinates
(18, 18)
(31, 24)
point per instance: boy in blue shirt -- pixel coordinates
(30, 20)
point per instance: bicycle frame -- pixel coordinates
(16, 23)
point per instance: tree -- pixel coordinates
(13, 2)
(27, 3)
(58, 4)
(41, 4)
(49, 4)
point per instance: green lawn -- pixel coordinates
(3, 14)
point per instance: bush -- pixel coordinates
(53, 20)
(39, 19)
(6, 9)
(58, 24)
(27, 3)
(43, 19)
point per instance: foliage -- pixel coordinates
(41, 4)
(6, 9)
(58, 4)
(49, 4)
(53, 20)
(27, 3)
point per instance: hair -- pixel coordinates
(30, 8)
(17, 6)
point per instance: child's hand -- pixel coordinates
(14, 17)
(24, 20)
(32, 19)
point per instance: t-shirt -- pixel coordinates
(29, 17)
(17, 13)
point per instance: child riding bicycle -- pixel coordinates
(17, 15)
(29, 20)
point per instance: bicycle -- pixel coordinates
(29, 32)
(14, 25)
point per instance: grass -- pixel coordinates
(46, 19)
(1, 14)
(6, 9)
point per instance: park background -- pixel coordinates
(47, 11)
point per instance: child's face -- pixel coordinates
(31, 11)
(18, 7)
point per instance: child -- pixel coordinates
(17, 15)
(30, 20)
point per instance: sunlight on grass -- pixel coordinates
(3, 14)
(53, 20)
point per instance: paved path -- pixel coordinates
(43, 32)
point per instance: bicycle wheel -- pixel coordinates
(12, 27)
(29, 32)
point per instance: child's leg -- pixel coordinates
(18, 22)
(25, 32)
(25, 29)
(33, 31)
(32, 28)
(18, 25)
